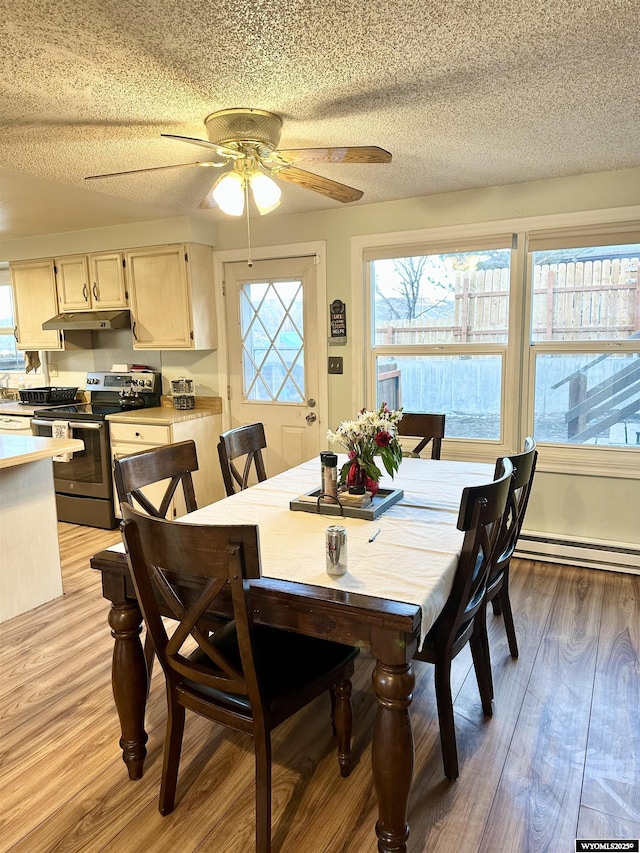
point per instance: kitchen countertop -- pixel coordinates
(21, 449)
(166, 415)
(15, 407)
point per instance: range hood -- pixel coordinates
(92, 320)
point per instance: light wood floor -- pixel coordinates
(559, 758)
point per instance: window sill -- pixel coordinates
(612, 462)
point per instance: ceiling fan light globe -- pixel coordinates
(228, 194)
(266, 193)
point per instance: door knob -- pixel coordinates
(311, 418)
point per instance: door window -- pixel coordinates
(272, 328)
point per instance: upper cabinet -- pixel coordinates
(172, 297)
(169, 290)
(91, 281)
(35, 302)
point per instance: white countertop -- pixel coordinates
(15, 407)
(161, 415)
(20, 449)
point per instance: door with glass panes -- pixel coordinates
(273, 355)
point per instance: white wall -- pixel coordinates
(338, 226)
(586, 508)
(182, 229)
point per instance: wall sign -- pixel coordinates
(338, 321)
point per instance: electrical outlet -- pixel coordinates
(53, 369)
(335, 364)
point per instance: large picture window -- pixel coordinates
(536, 333)
(585, 335)
(440, 328)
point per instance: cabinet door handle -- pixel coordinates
(133, 331)
(15, 333)
(95, 291)
(85, 292)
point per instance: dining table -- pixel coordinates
(400, 569)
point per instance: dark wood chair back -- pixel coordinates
(222, 556)
(245, 676)
(430, 428)
(480, 516)
(524, 467)
(172, 462)
(244, 441)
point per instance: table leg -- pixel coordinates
(392, 754)
(129, 681)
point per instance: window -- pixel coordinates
(10, 358)
(532, 334)
(440, 328)
(585, 336)
(271, 318)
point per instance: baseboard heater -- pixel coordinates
(572, 551)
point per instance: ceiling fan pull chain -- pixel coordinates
(246, 207)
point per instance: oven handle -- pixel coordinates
(72, 424)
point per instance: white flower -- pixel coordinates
(359, 436)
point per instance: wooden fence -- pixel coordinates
(588, 300)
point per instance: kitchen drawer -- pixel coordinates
(140, 433)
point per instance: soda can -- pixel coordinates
(336, 550)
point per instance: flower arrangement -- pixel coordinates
(371, 434)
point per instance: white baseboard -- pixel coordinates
(573, 551)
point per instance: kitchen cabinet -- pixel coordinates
(94, 281)
(72, 276)
(171, 295)
(34, 302)
(132, 432)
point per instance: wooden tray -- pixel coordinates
(380, 503)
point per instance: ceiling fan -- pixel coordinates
(247, 139)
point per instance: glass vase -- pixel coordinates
(357, 476)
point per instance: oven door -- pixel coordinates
(88, 472)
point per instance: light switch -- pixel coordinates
(335, 364)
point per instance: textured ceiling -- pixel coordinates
(465, 94)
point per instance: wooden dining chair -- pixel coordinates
(430, 428)
(173, 463)
(248, 441)
(480, 516)
(524, 467)
(245, 676)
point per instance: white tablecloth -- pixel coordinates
(413, 559)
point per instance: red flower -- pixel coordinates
(382, 439)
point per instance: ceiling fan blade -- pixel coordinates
(360, 154)
(222, 150)
(150, 169)
(324, 186)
